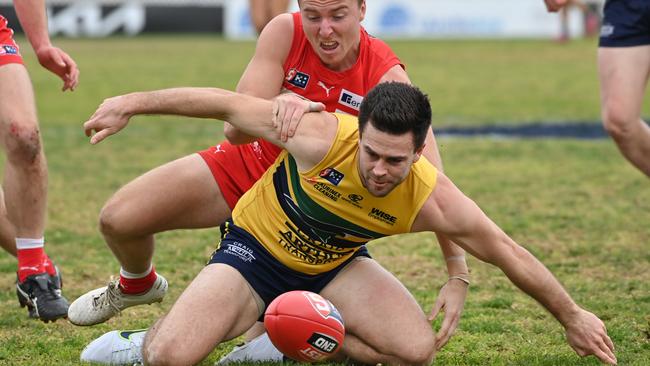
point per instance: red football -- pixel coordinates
(304, 326)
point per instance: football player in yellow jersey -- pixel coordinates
(384, 323)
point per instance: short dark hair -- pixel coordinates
(397, 108)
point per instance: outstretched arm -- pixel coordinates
(249, 114)
(450, 212)
(31, 14)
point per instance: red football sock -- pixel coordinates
(137, 285)
(30, 262)
(48, 265)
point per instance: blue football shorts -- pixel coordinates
(264, 273)
(626, 23)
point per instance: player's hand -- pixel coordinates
(555, 5)
(107, 120)
(59, 63)
(587, 335)
(288, 109)
(451, 300)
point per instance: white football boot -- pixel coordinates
(99, 305)
(118, 347)
(259, 349)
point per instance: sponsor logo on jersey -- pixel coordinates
(350, 99)
(331, 175)
(257, 149)
(297, 78)
(380, 215)
(7, 49)
(325, 87)
(323, 342)
(353, 199)
(323, 306)
(328, 191)
(240, 250)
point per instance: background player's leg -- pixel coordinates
(623, 73)
(7, 231)
(25, 176)
(23, 209)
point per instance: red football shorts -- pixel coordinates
(9, 53)
(237, 167)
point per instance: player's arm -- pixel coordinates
(33, 20)
(251, 115)
(264, 74)
(450, 212)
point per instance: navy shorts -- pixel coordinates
(626, 23)
(265, 274)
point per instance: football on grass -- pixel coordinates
(304, 326)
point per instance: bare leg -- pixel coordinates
(259, 13)
(181, 194)
(216, 306)
(383, 322)
(623, 76)
(277, 7)
(25, 177)
(7, 232)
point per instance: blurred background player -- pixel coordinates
(262, 11)
(321, 53)
(623, 68)
(589, 19)
(23, 206)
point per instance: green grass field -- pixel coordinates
(577, 205)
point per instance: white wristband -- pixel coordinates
(459, 278)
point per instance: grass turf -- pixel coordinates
(577, 205)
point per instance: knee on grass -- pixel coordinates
(160, 353)
(420, 353)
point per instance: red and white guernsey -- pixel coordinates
(9, 52)
(342, 91)
(237, 168)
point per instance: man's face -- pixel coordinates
(332, 28)
(385, 160)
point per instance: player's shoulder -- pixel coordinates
(281, 24)
(276, 37)
(376, 45)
